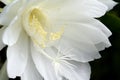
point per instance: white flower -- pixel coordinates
(109, 3)
(53, 39)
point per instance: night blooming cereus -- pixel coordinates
(53, 39)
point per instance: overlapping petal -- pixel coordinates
(66, 10)
(83, 38)
(17, 56)
(43, 64)
(65, 57)
(79, 71)
(9, 12)
(12, 32)
(31, 73)
(109, 3)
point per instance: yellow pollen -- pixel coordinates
(37, 26)
(56, 35)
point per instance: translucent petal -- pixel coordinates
(109, 3)
(83, 41)
(97, 24)
(80, 71)
(73, 9)
(9, 12)
(79, 50)
(43, 65)
(91, 28)
(17, 56)
(12, 32)
(31, 72)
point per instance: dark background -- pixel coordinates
(108, 67)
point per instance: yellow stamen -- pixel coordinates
(37, 23)
(56, 35)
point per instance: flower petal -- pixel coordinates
(74, 9)
(9, 12)
(97, 24)
(85, 20)
(3, 73)
(83, 41)
(12, 32)
(79, 71)
(93, 29)
(109, 3)
(31, 72)
(17, 56)
(43, 65)
(79, 50)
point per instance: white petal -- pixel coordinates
(83, 41)
(103, 32)
(17, 56)
(31, 72)
(91, 28)
(43, 65)
(12, 32)
(79, 71)
(95, 23)
(99, 25)
(73, 9)
(96, 35)
(109, 3)
(9, 12)
(78, 49)
(3, 73)
(1, 34)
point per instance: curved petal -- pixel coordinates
(73, 9)
(9, 12)
(43, 65)
(3, 72)
(83, 41)
(97, 24)
(31, 72)
(12, 32)
(1, 35)
(89, 27)
(79, 71)
(109, 3)
(79, 50)
(85, 20)
(17, 56)
(93, 33)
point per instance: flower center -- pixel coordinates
(39, 31)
